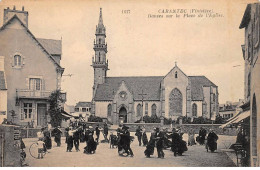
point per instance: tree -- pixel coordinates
(219, 120)
(93, 118)
(55, 110)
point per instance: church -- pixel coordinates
(128, 99)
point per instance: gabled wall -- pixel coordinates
(169, 83)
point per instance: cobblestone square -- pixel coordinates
(105, 157)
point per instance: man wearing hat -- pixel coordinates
(159, 143)
(57, 135)
(138, 133)
(125, 137)
(97, 133)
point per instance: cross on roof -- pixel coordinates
(142, 94)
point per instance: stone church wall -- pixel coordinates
(101, 109)
(199, 107)
(150, 103)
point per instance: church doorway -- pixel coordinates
(123, 115)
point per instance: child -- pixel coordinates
(113, 140)
(41, 148)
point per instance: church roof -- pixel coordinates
(2, 81)
(149, 85)
(197, 83)
(52, 46)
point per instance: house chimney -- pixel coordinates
(21, 14)
(2, 63)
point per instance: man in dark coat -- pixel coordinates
(126, 141)
(159, 143)
(70, 139)
(105, 132)
(97, 133)
(138, 133)
(57, 135)
(76, 138)
(202, 135)
(176, 140)
(212, 141)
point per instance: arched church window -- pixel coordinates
(99, 41)
(139, 110)
(154, 107)
(176, 74)
(17, 60)
(214, 97)
(99, 57)
(194, 110)
(175, 103)
(109, 110)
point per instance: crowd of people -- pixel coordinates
(160, 139)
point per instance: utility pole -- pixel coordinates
(142, 94)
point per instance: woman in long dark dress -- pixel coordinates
(144, 138)
(212, 141)
(47, 138)
(91, 145)
(150, 146)
(69, 140)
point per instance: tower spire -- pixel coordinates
(100, 21)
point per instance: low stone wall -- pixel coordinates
(185, 127)
(196, 127)
(148, 126)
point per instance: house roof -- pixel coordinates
(2, 81)
(83, 104)
(197, 83)
(149, 85)
(52, 46)
(28, 31)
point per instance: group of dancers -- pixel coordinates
(82, 133)
(162, 139)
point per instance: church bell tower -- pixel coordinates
(99, 61)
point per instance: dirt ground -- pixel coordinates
(196, 156)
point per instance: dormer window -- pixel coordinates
(17, 60)
(176, 74)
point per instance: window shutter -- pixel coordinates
(23, 61)
(22, 113)
(43, 84)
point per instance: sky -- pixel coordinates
(143, 46)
